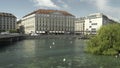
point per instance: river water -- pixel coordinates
(52, 53)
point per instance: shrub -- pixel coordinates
(110, 52)
(106, 41)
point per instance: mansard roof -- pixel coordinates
(6, 14)
(45, 11)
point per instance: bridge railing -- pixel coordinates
(9, 35)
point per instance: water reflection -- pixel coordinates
(43, 53)
(29, 48)
(57, 56)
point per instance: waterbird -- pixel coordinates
(64, 59)
(50, 46)
(53, 43)
(116, 56)
(119, 54)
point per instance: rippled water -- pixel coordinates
(52, 53)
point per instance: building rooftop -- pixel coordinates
(45, 11)
(96, 15)
(7, 14)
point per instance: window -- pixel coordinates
(90, 26)
(94, 23)
(90, 21)
(93, 29)
(86, 29)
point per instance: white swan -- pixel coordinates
(53, 43)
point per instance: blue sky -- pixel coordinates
(79, 8)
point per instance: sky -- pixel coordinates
(79, 8)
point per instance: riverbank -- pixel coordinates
(55, 36)
(11, 38)
(15, 38)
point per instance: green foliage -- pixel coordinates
(2, 30)
(13, 31)
(106, 42)
(110, 52)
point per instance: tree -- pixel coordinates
(13, 31)
(106, 42)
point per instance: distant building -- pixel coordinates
(20, 27)
(48, 21)
(79, 25)
(7, 21)
(18, 24)
(93, 22)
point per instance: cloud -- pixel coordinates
(104, 6)
(63, 4)
(45, 3)
(100, 4)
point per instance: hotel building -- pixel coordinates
(79, 25)
(93, 22)
(48, 21)
(7, 21)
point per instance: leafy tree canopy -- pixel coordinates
(106, 42)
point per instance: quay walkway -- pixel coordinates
(10, 37)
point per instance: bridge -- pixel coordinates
(10, 37)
